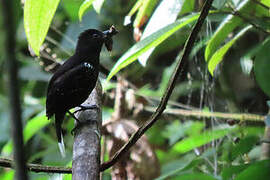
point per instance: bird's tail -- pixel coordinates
(59, 117)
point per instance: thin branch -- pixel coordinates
(14, 90)
(7, 163)
(204, 114)
(178, 69)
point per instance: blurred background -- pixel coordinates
(213, 127)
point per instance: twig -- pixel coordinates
(7, 163)
(14, 90)
(178, 69)
(204, 114)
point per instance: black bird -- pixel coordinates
(73, 81)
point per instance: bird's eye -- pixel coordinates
(95, 35)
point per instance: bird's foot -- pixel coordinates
(72, 115)
(83, 108)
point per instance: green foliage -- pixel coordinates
(32, 127)
(197, 140)
(38, 15)
(149, 42)
(262, 65)
(227, 26)
(85, 5)
(184, 147)
(219, 54)
(258, 170)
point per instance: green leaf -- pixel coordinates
(232, 171)
(38, 16)
(258, 170)
(198, 140)
(32, 127)
(85, 5)
(226, 27)
(169, 11)
(151, 41)
(262, 66)
(71, 8)
(244, 146)
(219, 54)
(187, 7)
(189, 176)
(176, 166)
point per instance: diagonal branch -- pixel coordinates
(180, 64)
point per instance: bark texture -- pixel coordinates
(86, 148)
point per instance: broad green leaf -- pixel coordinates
(149, 42)
(85, 5)
(32, 127)
(187, 7)
(258, 170)
(226, 27)
(38, 16)
(173, 167)
(71, 8)
(243, 146)
(219, 54)
(169, 11)
(198, 140)
(262, 66)
(232, 171)
(189, 176)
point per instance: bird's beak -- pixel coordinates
(108, 37)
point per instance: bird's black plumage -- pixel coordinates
(72, 83)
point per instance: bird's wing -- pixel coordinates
(71, 87)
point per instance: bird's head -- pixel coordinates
(91, 40)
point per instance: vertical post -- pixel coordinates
(86, 147)
(13, 88)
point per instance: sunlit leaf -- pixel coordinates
(38, 15)
(169, 11)
(71, 8)
(149, 42)
(219, 54)
(198, 140)
(85, 5)
(226, 27)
